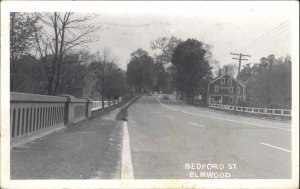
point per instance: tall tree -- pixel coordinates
(161, 76)
(30, 76)
(165, 47)
(103, 66)
(268, 83)
(141, 71)
(73, 73)
(116, 84)
(22, 27)
(61, 33)
(191, 59)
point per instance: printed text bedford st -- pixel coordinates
(210, 170)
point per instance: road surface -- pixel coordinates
(162, 139)
(170, 140)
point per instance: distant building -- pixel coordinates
(89, 89)
(223, 89)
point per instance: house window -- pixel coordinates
(239, 100)
(222, 81)
(216, 88)
(230, 90)
(238, 90)
(231, 100)
(230, 81)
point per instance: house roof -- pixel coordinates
(219, 77)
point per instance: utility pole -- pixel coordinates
(240, 58)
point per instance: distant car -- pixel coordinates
(155, 92)
(165, 97)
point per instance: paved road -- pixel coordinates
(169, 140)
(163, 139)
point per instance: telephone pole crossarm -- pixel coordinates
(240, 58)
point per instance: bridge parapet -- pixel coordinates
(33, 115)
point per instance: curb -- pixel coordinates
(130, 102)
(122, 114)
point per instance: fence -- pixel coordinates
(253, 110)
(32, 114)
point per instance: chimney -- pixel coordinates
(226, 69)
(220, 72)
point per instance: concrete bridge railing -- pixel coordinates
(98, 104)
(32, 115)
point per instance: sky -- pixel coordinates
(254, 30)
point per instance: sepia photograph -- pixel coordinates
(156, 94)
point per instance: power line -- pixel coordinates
(267, 38)
(135, 25)
(256, 45)
(263, 38)
(270, 33)
(259, 52)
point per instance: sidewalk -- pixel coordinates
(89, 150)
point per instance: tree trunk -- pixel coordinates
(12, 74)
(187, 97)
(193, 98)
(205, 100)
(49, 87)
(102, 93)
(12, 81)
(57, 81)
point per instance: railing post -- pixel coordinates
(67, 110)
(88, 108)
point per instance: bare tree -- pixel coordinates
(61, 33)
(230, 68)
(103, 66)
(166, 47)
